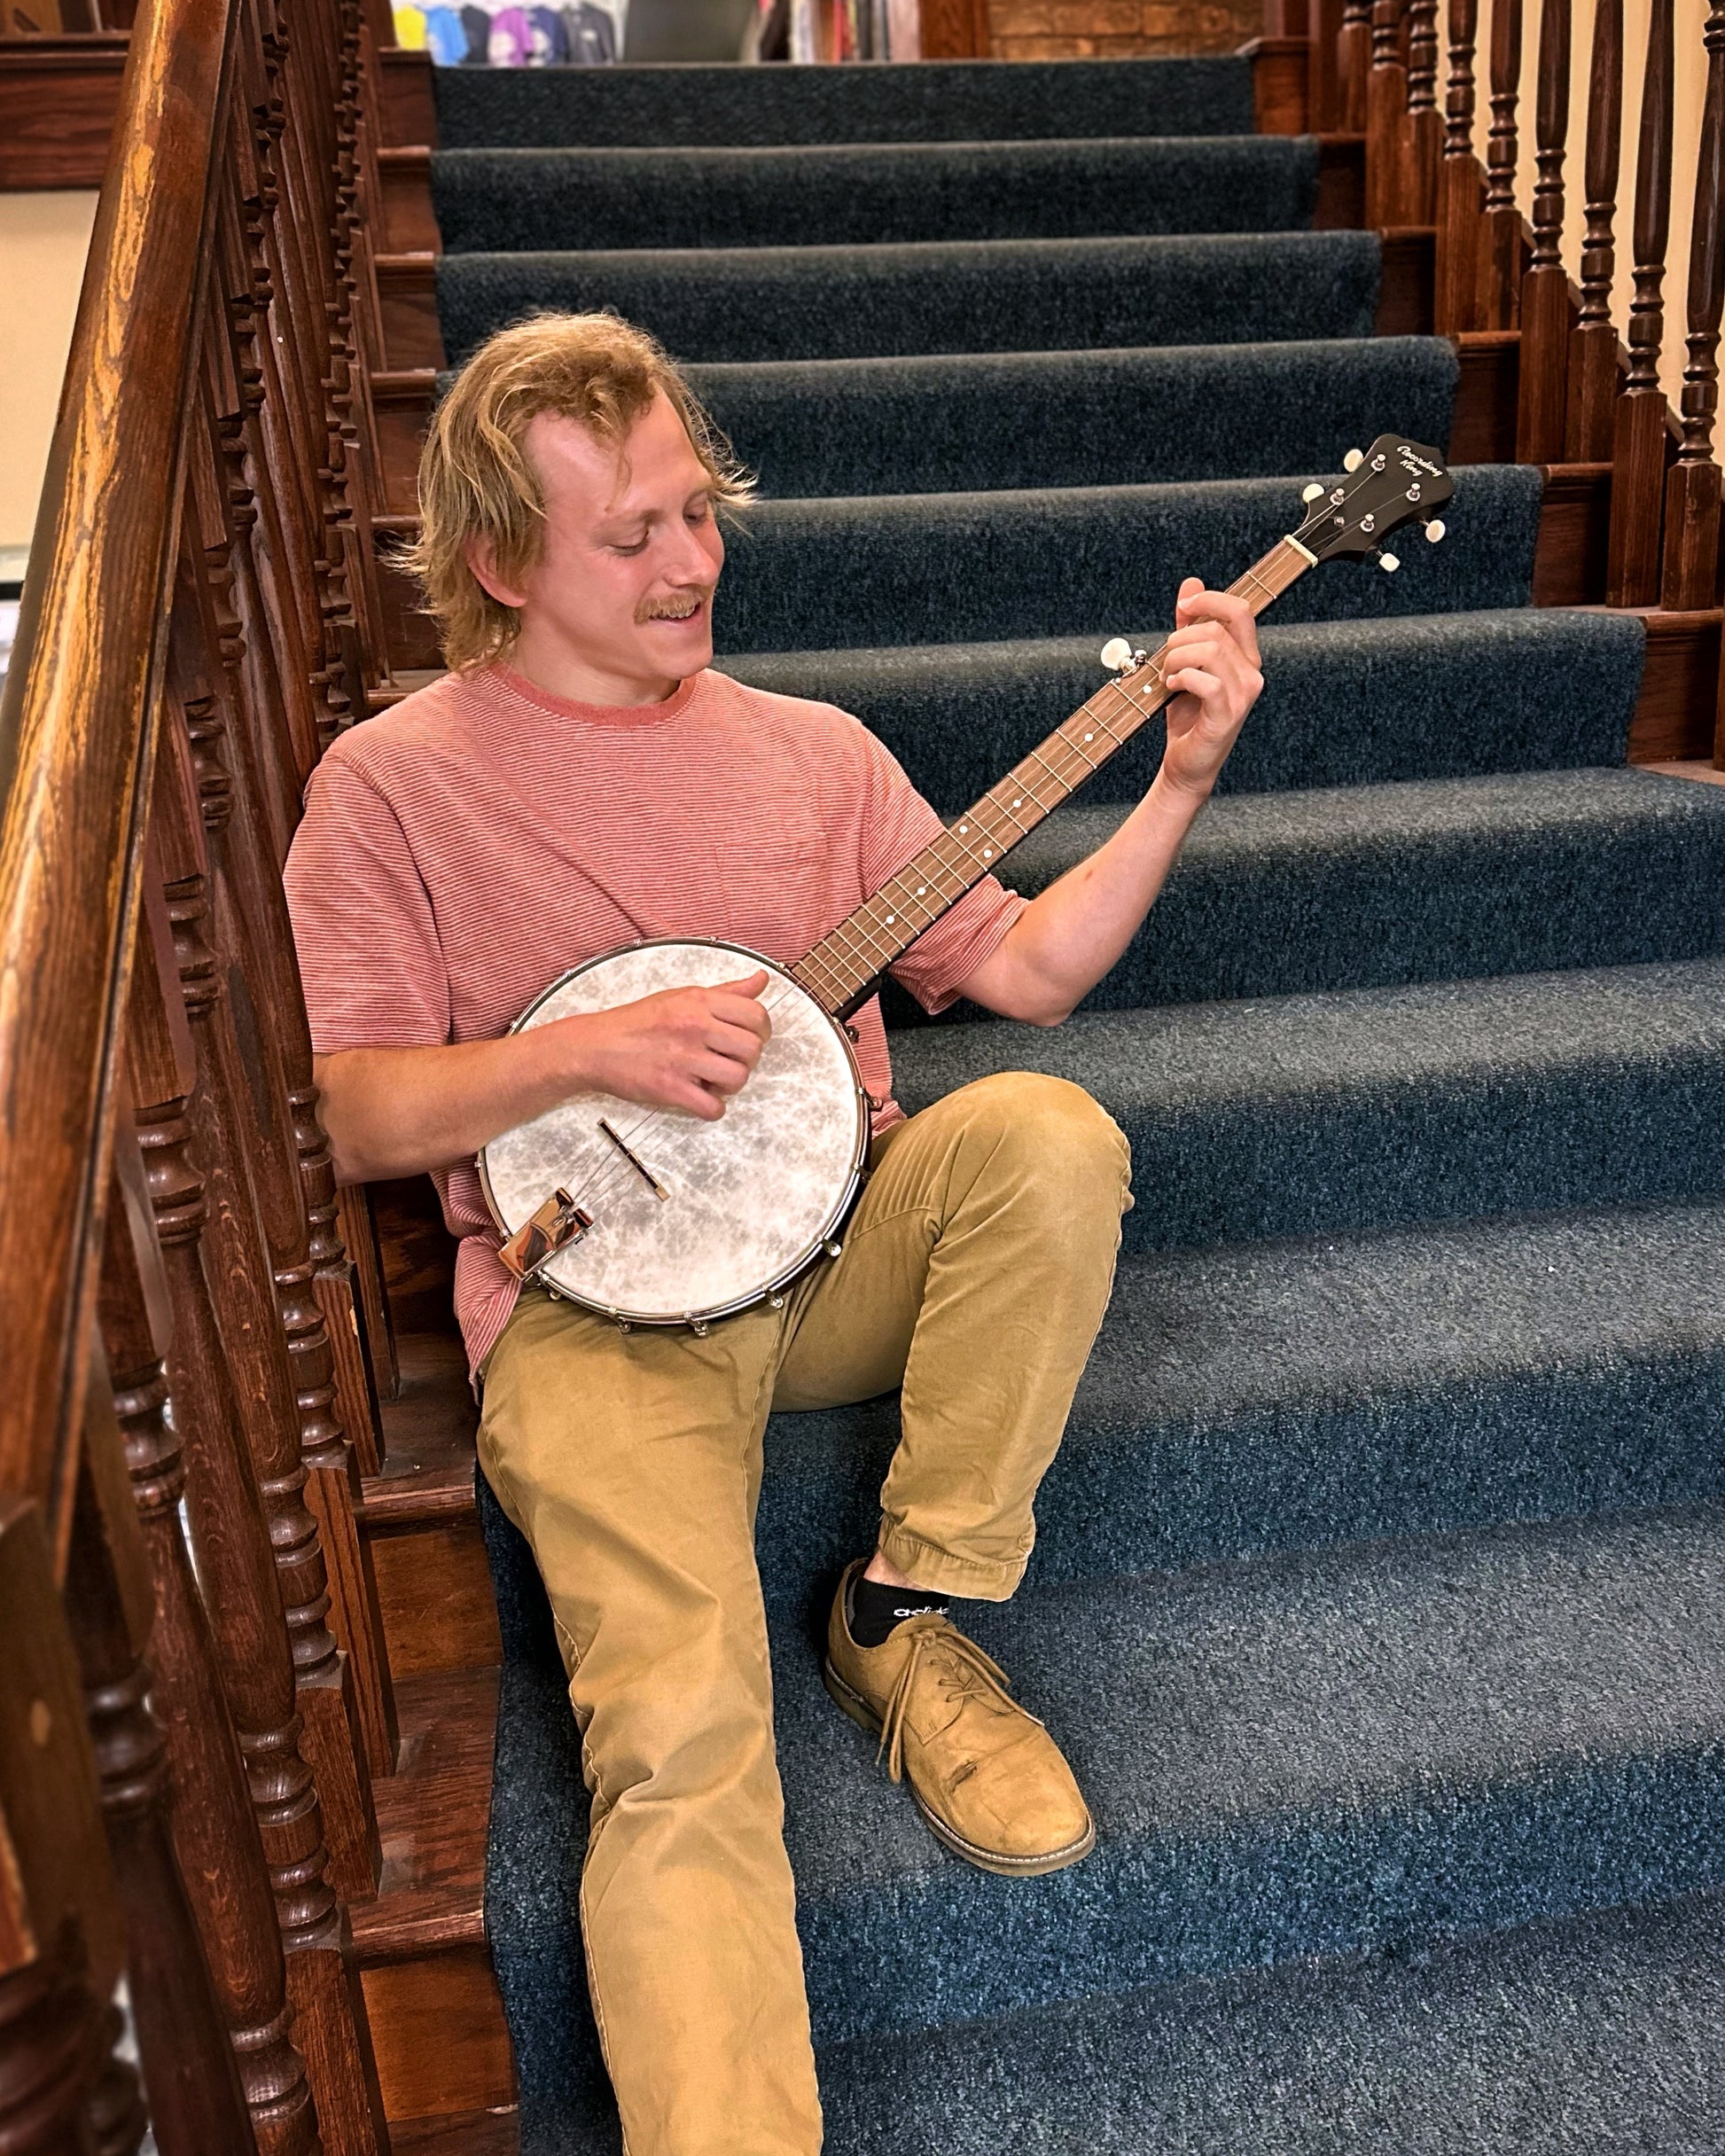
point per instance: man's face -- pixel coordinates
(632, 552)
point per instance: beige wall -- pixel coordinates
(43, 240)
(1690, 17)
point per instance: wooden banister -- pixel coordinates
(76, 732)
(202, 616)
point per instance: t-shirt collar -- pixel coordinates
(528, 692)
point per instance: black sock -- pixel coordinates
(873, 1609)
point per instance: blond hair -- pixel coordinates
(477, 482)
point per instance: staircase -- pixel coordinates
(1379, 1593)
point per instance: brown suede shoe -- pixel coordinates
(986, 1777)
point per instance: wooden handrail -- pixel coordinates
(77, 731)
(190, 1398)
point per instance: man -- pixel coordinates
(583, 778)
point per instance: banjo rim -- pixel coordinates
(811, 1252)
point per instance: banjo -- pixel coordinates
(650, 1216)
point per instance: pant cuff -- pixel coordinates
(942, 1571)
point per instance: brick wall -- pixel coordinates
(1079, 29)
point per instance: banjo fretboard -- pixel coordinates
(841, 971)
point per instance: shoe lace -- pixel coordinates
(963, 1671)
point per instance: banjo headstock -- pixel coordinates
(1393, 483)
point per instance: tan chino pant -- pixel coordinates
(975, 1273)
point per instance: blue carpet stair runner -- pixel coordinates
(1379, 1592)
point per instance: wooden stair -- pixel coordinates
(443, 2052)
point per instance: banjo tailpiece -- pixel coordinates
(558, 1222)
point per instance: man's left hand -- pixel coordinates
(1212, 662)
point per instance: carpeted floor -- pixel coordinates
(1379, 1592)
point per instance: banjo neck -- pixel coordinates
(842, 970)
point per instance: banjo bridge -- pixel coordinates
(558, 1224)
(637, 1163)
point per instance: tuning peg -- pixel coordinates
(1313, 493)
(1389, 562)
(1435, 529)
(1353, 460)
(1116, 653)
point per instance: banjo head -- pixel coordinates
(748, 1200)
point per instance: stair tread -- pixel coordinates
(1427, 880)
(1319, 1752)
(1013, 562)
(428, 1437)
(1566, 2038)
(789, 302)
(1343, 1043)
(431, 1815)
(1315, 1679)
(922, 100)
(465, 2133)
(870, 193)
(1358, 1386)
(1410, 1380)
(1135, 415)
(1337, 707)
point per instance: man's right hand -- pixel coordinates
(397, 1110)
(684, 1048)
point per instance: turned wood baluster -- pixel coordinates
(1353, 64)
(115, 2111)
(1387, 106)
(260, 741)
(204, 1953)
(253, 938)
(215, 1261)
(1324, 88)
(248, 1913)
(278, 694)
(352, 358)
(1592, 390)
(271, 426)
(1456, 303)
(277, 566)
(1423, 135)
(1499, 259)
(253, 743)
(52, 2033)
(292, 210)
(1691, 500)
(232, 1126)
(1544, 359)
(60, 1951)
(1632, 573)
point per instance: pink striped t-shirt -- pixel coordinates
(463, 849)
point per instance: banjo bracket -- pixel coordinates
(558, 1224)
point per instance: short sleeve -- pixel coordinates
(897, 824)
(371, 962)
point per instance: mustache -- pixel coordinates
(677, 609)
